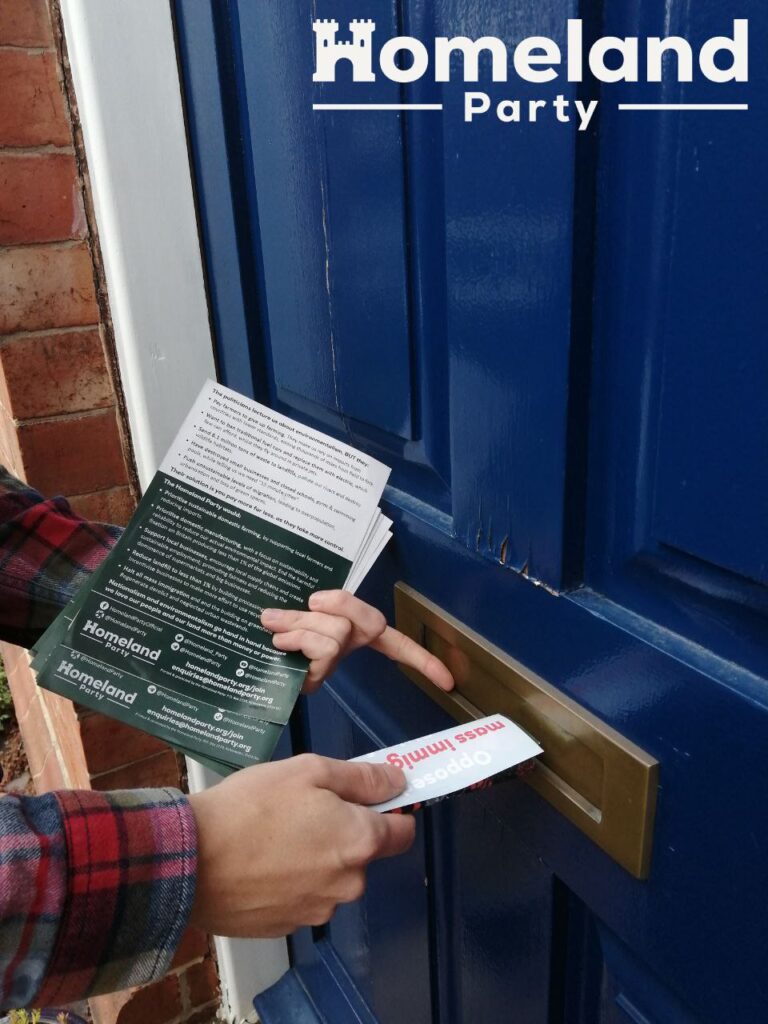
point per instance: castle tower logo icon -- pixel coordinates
(358, 49)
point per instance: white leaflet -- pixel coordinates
(448, 761)
(267, 464)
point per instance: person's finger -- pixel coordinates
(399, 647)
(375, 835)
(312, 645)
(360, 782)
(280, 620)
(368, 621)
(317, 673)
(354, 886)
(398, 836)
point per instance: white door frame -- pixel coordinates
(126, 77)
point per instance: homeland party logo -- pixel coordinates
(537, 59)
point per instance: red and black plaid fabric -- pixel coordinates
(46, 551)
(130, 881)
(95, 888)
(95, 891)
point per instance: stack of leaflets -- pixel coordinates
(249, 510)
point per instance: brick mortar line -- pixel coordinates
(44, 332)
(24, 723)
(212, 1005)
(55, 753)
(184, 993)
(67, 778)
(60, 246)
(99, 490)
(47, 150)
(128, 764)
(21, 719)
(32, 51)
(188, 963)
(36, 775)
(62, 417)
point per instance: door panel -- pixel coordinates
(350, 324)
(509, 243)
(679, 444)
(556, 340)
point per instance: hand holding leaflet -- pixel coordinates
(297, 844)
(249, 511)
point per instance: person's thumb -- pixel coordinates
(363, 782)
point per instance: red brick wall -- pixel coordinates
(61, 429)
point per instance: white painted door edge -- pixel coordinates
(126, 79)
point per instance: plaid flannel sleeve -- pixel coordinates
(95, 888)
(95, 891)
(46, 551)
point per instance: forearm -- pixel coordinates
(95, 891)
(46, 551)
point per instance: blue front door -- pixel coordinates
(557, 340)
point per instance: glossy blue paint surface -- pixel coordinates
(678, 488)
(558, 344)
